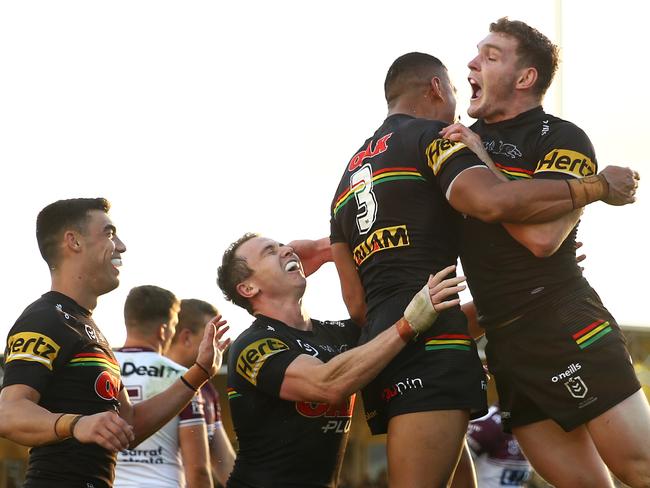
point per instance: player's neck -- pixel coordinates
(415, 108)
(176, 356)
(512, 108)
(69, 285)
(288, 311)
(142, 342)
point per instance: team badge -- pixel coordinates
(576, 387)
(91, 332)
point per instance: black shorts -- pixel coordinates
(565, 361)
(439, 371)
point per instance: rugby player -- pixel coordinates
(391, 222)
(62, 394)
(566, 384)
(291, 379)
(193, 316)
(177, 455)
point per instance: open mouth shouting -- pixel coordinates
(292, 266)
(477, 90)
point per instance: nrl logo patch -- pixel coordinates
(576, 387)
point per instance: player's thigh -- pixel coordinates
(423, 447)
(564, 459)
(622, 437)
(465, 474)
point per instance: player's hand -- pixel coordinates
(312, 254)
(622, 182)
(423, 309)
(459, 133)
(581, 257)
(106, 429)
(440, 289)
(212, 347)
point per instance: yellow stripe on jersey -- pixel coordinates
(439, 151)
(567, 162)
(32, 346)
(253, 357)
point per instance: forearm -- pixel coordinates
(529, 202)
(545, 239)
(198, 477)
(24, 422)
(222, 456)
(349, 372)
(150, 415)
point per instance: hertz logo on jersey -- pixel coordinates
(31, 346)
(568, 162)
(386, 238)
(253, 357)
(439, 151)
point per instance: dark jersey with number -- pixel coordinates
(283, 443)
(506, 278)
(56, 348)
(390, 206)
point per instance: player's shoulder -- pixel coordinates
(43, 317)
(556, 127)
(262, 334)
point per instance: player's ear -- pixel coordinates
(526, 79)
(71, 240)
(247, 289)
(435, 86)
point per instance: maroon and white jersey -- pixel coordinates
(156, 462)
(497, 456)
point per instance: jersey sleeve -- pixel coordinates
(36, 347)
(193, 413)
(441, 160)
(565, 152)
(261, 359)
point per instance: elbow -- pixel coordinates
(496, 208)
(542, 247)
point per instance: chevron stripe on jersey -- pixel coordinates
(380, 176)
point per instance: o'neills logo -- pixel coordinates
(253, 356)
(568, 373)
(386, 238)
(568, 162)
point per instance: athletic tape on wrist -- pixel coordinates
(405, 330)
(420, 313)
(587, 190)
(64, 425)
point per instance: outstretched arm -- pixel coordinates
(309, 379)
(150, 415)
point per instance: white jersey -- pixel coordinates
(156, 462)
(497, 456)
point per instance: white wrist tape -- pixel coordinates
(420, 313)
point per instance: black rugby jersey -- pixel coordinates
(504, 277)
(282, 443)
(390, 206)
(56, 348)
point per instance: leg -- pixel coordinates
(622, 437)
(423, 447)
(563, 459)
(465, 475)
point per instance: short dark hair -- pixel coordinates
(148, 305)
(233, 271)
(60, 216)
(534, 49)
(192, 315)
(408, 70)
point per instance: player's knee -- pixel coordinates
(634, 473)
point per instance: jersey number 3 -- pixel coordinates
(361, 185)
